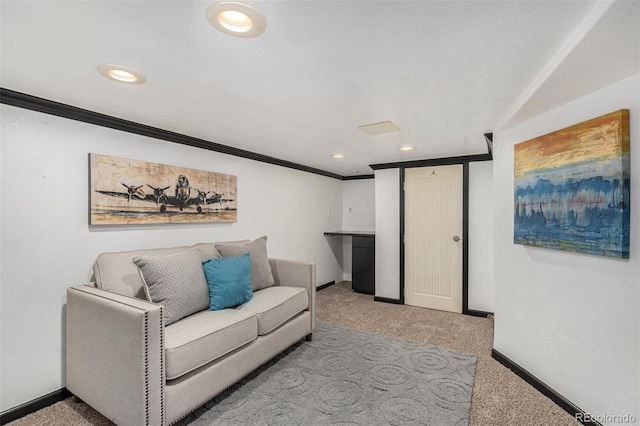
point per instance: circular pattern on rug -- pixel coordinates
(411, 345)
(428, 361)
(403, 411)
(336, 362)
(335, 340)
(280, 411)
(347, 421)
(377, 351)
(289, 378)
(449, 390)
(330, 381)
(471, 370)
(389, 375)
(340, 393)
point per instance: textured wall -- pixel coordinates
(48, 246)
(572, 320)
(481, 292)
(387, 184)
(358, 204)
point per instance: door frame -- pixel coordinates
(464, 161)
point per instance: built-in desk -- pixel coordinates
(363, 259)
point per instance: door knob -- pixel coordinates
(456, 238)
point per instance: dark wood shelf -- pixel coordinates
(350, 233)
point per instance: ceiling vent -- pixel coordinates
(379, 128)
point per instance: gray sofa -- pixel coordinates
(125, 363)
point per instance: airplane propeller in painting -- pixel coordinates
(133, 191)
(202, 198)
(158, 193)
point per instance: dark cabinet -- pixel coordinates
(363, 269)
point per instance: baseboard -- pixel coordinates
(33, 406)
(475, 313)
(323, 286)
(387, 300)
(544, 389)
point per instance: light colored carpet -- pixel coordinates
(499, 396)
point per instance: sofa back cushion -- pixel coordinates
(115, 272)
(261, 274)
(207, 251)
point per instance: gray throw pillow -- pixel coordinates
(261, 276)
(177, 282)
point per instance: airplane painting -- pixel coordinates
(136, 192)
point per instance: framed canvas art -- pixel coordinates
(572, 188)
(124, 192)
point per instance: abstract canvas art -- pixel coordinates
(572, 188)
(124, 192)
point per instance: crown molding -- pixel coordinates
(433, 162)
(34, 103)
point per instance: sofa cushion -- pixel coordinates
(274, 306)
(175, 281)
(207, 251)
(115, 272)
(229, 281)
(261, 275)
(203, 337)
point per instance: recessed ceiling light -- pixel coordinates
(338, 155)
(121, 74)
(405, 148)
(236, 19)
(378, 128)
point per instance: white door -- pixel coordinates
(433, 237)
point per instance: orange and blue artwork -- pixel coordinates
(572, 188)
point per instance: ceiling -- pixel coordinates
(445, 72)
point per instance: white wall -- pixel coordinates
(358, 214)
(358, 205)
(47, 245)
(571, 320)
(387, 202)
(481, 279)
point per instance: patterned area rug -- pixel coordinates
(349, 377)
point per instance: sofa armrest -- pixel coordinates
(297, 274)
(115, 355)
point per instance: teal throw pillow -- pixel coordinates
(229, 281)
